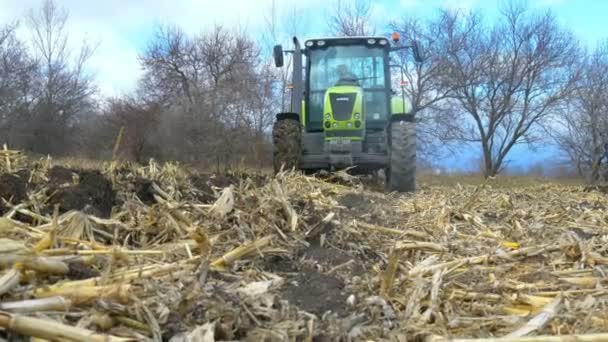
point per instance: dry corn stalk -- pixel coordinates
(429, 246)
(539, 321)
(388, 276)
(562, 338)
(290, 213)
(57, 303)
(51, 330)
(44, 265)
(224, 204)
(127, 276)
(49, 238)
(520, 253)
(241, 251)
(88, 294)
(9, 280)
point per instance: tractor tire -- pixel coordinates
(401, 173)
(286, 136)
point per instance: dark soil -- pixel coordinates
(279, 264)
(205, 183)
(331, 257)
(368, 208)
(93, 194)
(355, 202)
(78, 270)
(309, 287)
(59, 175)
(316, 293)
(328, 256)
(173, 326)
(144, 191)
(12, 189)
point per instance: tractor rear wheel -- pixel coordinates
(286, 137)
(401, 173)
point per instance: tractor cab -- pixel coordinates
(347, 86)
(343, 103)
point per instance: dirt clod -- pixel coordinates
(316, 293)
(93, 194)
(355, 201)
(59, 175)
(373, 208)
(173, 326)
(12, 189)
(79, 270)
(329, 256)
(144, 191)
(278, 264)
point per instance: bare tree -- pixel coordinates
(278, 32)
(173, 69)
(65, 87)
(509, 79)
(17, 71)
(351, 18)
(425, 84)
(137, 120)
(583, 128)
(213, 88)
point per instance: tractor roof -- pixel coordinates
(347, 38)
(344, 40)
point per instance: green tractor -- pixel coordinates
(344, 112)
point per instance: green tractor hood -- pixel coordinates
(344, 113)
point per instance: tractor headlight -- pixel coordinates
(327, 116)
(309, 43)
(357, 116)
(349, 124)
(327, 124)
(357, 123)
(335, 125)
(371, 41)
(382, 42)
(321, 42)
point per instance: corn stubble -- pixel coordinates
(459, 263)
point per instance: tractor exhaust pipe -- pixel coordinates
(297, 86)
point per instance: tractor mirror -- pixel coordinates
(278, 55)
(416, 51)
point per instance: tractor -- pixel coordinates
(344, 113)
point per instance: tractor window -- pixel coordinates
(344, 64)
(361, 64)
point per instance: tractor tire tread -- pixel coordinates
(402, 169)
(286, 136)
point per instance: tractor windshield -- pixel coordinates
(359, 65)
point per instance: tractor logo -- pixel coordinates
(342, 99)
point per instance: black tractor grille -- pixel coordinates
(342, 105)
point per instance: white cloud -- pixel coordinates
(122, 27)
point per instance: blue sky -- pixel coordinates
(122, 28)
